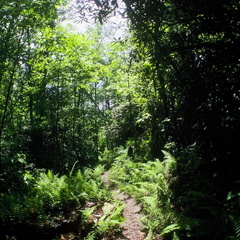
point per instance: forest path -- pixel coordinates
(132, 228)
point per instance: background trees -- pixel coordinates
(54, 90)
(65, 97)
(45, 90)
(19, 23)
(193, 68)
(55, 95)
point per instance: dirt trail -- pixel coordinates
(132, 227)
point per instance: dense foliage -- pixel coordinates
(51, 110)
(70, 101)
(193, 72)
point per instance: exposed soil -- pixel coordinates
(132, 229)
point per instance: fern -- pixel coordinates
(169, 162)
(91, 236)
(175, 236)
(86, 213)
(170, 228)
(50, 194)
(112, 217)
(149, 202)
(236, 225)
(109, 222)
(149, 183)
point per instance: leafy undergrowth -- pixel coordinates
(149, 184)
(54, 205)
(105, 220)
(80, 207)
(152, 183)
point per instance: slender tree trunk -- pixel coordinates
(8, 95)
(96, 122)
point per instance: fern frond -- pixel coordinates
(170, 228)
(150, 201)
(147, 186)
(236, 225)
(198, 194)
(112, 218)
(169, 162)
